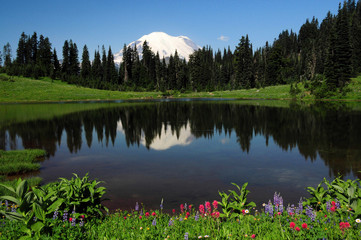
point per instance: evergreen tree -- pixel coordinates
(7, 55)
(73, 59)
(97, 70)
(111, 70)
(44, 60)
(21, 51)
(56, 66)
(65, 66)
(104, 67)
(85, 71)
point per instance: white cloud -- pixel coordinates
(223, 38)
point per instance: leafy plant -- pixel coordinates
(82, 194)
(233, 203)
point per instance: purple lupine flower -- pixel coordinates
(281, 208)
(181, 219)
(81, 223)
(310, 213)
(328, 206)
(196, 217)
(55, 215)
(266, 209)
(300, 205)
(170, 223)
(154, 223)
(270, 208)
(136, 208)
(141, 212)
(338, 205)
(186, 236)
(65, 216)
(291, 209)
(277, 199)
(73, 222)
(13, 208)
(6, 203)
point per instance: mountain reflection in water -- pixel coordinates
(188, 151)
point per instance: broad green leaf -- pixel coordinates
(36, 227)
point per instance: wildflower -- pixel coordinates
(297, 229)
(82, 216)
(187, 214)
(206, 236)
(55, 215)
(161, 204)
(358, 220)
(199, 237)
(140, 217)
(154, 223)
(344, 225)
(304, 225)
(253, 236)
(125, 217)
(173, 211)
(246, 235)
(279, 213)
(196, 217)
(147, 214)
(141, 228)
(136, 208)
(81, 223)
(65, 216)
(333, 209)
(190, 207)
(148, 228)
(243, 211)
(333, 203)
(154, 214)
(70, 219)
(181, 208)
(73, 223)
(246, 211)
(310, 213)
(292, 224)
(186, 236)
(208, 206)
(201, 208)
(170, 223)
(215, 204)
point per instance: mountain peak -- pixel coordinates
(164, 44)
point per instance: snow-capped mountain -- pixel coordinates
(164, 44)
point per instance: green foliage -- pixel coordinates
(232, 204)
(348, 193)
(81, 194)
(34, 206)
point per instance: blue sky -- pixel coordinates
(110, 22)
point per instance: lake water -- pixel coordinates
(186, 151)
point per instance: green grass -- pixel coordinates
(20, 161)
(20, 89)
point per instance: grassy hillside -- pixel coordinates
(19, 89)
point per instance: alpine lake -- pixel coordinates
(185, 151)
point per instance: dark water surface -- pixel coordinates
(187, 151)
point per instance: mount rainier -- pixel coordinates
(164, 44)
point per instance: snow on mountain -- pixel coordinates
(164, 44)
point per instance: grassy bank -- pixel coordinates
(19, 89)
(20, 161)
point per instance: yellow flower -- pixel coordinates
(206, 236)
(199, 237)
(185, 219)
(246, 235)
(141, 228)
(168, 236)
(325, 228)
(230, 235)
(319, 203)
(358, 220)
(255, 219)
(147, 228)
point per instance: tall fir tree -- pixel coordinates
(85, 71)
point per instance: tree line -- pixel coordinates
(326, 54)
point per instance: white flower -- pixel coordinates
(263, 204)
(206, 236)
(358, 220)
(246, 211)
